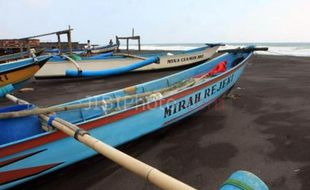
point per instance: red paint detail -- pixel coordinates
(12, 160)
(13, 175)
(109, 119)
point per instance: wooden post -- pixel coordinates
(59, 43)
(69, 42)
(133, 32)
(139, 45)
(117, 42)
(28, 45)
(127, 43)
(21, 47)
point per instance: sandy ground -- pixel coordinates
(263, 129)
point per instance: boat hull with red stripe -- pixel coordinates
(45, 152)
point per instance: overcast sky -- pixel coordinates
(160, 21)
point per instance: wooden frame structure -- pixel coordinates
(58, 33)
(127, 38)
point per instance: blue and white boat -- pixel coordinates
(29, 149)
(108, 64)
(104, 49)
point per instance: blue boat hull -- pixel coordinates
(49, 151)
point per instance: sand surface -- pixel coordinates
(264, 128)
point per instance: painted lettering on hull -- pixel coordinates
(196, 98)
(183, 59)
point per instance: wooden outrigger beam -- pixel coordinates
(48, 34)
(141, 169)
(78, 67)
(130, 55)
(58, 33)
(243, 50)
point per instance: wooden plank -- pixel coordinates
(130, 37)
(47, 34)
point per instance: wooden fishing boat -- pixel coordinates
(104, 49)
(102, 65)
(16, 56)
(29, 148)
(13, 74)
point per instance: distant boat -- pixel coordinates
(13, 74)
(28, 151)
(106, 65)
(104, 49)
(16, 56)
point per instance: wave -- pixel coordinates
(288, 49)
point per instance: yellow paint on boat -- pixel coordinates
(18, 75)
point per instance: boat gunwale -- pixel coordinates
(31, 62)
(160, 55)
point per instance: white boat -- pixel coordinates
(166, 60)
(104, 49)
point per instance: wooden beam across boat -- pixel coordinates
(130, 55)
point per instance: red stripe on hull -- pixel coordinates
(109, 119)
(10, 161)
(14, 175)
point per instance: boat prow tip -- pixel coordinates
(215, 44)
(248, 49)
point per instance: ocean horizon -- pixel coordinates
(301, 49)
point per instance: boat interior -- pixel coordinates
(108, 56)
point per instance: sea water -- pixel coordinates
(290, 49)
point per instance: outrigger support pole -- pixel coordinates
(244, 50)
(78, 67)
(145, 171)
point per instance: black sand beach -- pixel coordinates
(263, 128)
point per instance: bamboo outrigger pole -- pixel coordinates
(130, 55)
(145, 171)
(78, 67)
